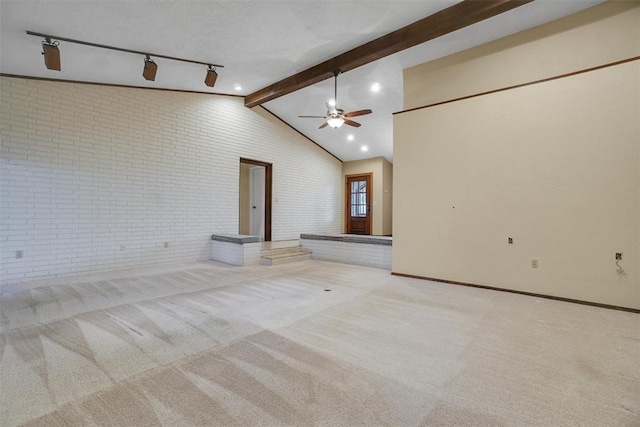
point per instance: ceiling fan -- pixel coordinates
(335, 116)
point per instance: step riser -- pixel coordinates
(282, 244)
(284, 260)
(293, 250)
(283, 255)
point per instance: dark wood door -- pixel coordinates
(358, 204)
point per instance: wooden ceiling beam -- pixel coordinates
(460, 15)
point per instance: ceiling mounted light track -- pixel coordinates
(52, 57)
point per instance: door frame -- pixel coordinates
(347, 202)
(268, 182)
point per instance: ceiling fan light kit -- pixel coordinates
(336, 117)
(51, 54)
(335, 122)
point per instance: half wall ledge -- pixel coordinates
(236, 249)
(351, 238)
(235, 238)
(371, 251)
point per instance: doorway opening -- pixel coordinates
(255, 198)
(358, 204)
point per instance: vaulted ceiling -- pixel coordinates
(259, 42)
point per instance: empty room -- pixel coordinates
(299, 213)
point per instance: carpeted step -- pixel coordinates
(284, 255)
(280, 251)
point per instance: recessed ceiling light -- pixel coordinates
(350, 137)
(332, 102)
(238, 87)
(375, 87)
(364, 148)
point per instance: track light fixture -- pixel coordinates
(51, 54)
(150, 69)
(52, 57)
(210, 79)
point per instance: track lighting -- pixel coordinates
(51, 54)
(150, 69)
(211, 77)
(52, 57)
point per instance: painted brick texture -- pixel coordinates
(98, 178)
(236, 253)
(350, 253)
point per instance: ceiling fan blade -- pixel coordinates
(324, 125)
(352, 123)
(312, 117)
(358, 113)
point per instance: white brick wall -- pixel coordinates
(97, 177)
(252, 253)
(350, 253)
(235, 253)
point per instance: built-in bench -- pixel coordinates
(373, 251)
(236, 249)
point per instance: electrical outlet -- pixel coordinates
(534, 263)
(618, 256)
(166, 244)
(19, 254)
(510, 241)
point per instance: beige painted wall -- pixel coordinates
(599, 35)
(553, 165)
(245, 199)
(381, 203)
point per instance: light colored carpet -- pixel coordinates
(209, 344)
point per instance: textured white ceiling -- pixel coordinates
(259, 42)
